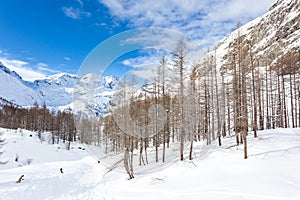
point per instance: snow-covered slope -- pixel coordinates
(14, 89)
(274, 34)
(57, 90)
(28, 148)
(54, 91)
(271, 172)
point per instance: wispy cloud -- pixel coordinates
(75, 13)
(67, 58)
(144, 66)
(42, 65)
(80, 2)
(205, 20)
(22, 68)
(30, 58)
(102, 24)
(4, 53)
(45, 69)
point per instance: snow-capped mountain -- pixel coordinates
(92, 94)
(14, 89)
(56, 90)
(275, 33)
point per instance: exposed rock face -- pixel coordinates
(267, 38)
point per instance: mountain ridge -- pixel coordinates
(270, 36)
(56, 91)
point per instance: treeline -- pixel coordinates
(40, 119)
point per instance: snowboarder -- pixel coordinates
(20, 179)
(61, 170)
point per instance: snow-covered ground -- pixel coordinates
(270, 172)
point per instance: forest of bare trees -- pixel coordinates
(247, 94)
(61, 124)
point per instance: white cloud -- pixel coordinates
(21, 67)
(45, 69)
(80, 2)
(157, 42)
(141, 61)
(30, 58)
(102, 24)
(206, 20)
(3, 53)
(75, 13)
(143, 67)
(126, 62)
(42, 65)
(67, 58)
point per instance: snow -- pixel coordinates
(13, 89)
(269, 24)
(270, 172)
(57, 90)
(27, 145)
(51, 90)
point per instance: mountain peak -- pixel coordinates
(8, 71)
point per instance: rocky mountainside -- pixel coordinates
(269, 37)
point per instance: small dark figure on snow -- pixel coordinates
(20, 179)
(61, 170)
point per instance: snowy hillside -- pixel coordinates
(271, 35)
(54, 91)
(26, 146)
(270, 172)
(14, 89)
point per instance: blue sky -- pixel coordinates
(44, 37)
